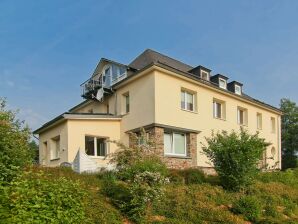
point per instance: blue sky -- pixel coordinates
(48, 48)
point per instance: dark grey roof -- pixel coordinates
(150, 57)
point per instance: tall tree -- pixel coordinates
(289, 133)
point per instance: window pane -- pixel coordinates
(189, 101)
(57, 148)
(222, 83)
(127, 103)
(167, 143)
(179, 144)
(107, 77)
(89, 145)
(115, 72)
(183, 100)
(101, 147)
(240, 116)
(218, 110)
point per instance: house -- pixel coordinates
(177, 104)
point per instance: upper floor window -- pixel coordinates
(218, 109)
(55, 148)
(187, 100)
(242, 116)
(175, 144)
(204, 75)
(272, 125)
(126, 103)
(222, 83)
(259, 121)
(95, 146)
(238, 89)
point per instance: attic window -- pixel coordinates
(222, 83)
(238, 89)
(205, 75)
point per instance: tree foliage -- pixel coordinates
(15, 152)
(235, 157)
(289, 133)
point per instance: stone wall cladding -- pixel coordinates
(175, 162)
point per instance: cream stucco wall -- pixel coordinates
(46, 143)
(168, 111)
(78, 128)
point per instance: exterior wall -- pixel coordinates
(168, 111)
(44, 152)
(141, 94)
(77, 129)
(96, 106)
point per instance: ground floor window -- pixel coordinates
(55, 148)
(95, 146)
(175, 144)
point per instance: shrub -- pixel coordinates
(33, 198)
(235, 157)
(249, 207)
(194, 176)
(15, 152)
(140, 178)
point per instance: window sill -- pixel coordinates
(191, 111)
(177, 156)
(52, 160)
(219, 118)
(97, 157)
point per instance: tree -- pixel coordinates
(15, 152)
(289, 133)
(235, 157)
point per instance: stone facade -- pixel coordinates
(174, 162)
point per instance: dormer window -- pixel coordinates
(204, 75)
(238, 89)
(222, 83)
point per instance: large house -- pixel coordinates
(177, 104)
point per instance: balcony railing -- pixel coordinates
(90, 87)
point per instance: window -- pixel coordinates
(238, 89)
(218, 109)
(175, 144)
(242, 116)
(55, 148)
(205, 75)
(143, 138)
(187, 101)
(95, 146)
(126, 101)
(259, 121)
(222, 83)
(272, 125)
(107, 76)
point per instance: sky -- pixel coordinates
(48, 48)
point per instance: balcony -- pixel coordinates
(90, 87)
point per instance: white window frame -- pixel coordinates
(95, 146)
(225, 83)
(245, 116)
(222, 107)
(240, 89)
(172, 153)
(259, 122)
(184, 107)
(55, 148)
(207, 75)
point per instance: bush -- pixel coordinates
(15, 152)
(249, 207)
(34, 198)
(235, 157)
(194, 176)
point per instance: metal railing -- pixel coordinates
(90, 86)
